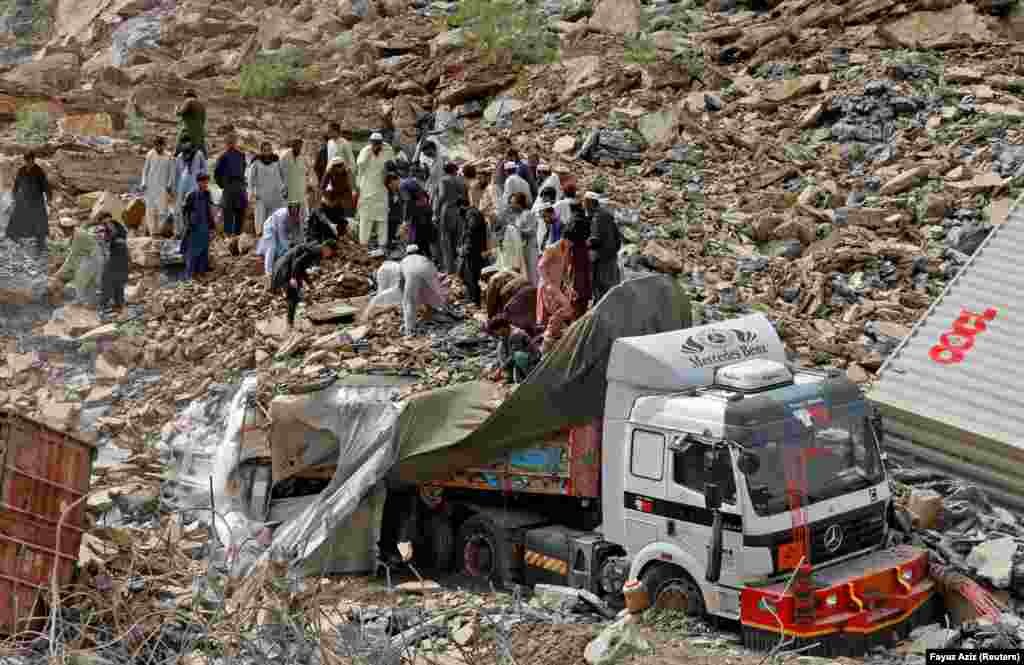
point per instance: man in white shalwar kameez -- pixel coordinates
(281, 231)
(157, 183)
(373, 193)
(421, 285)
(515, 183)
(267, 185)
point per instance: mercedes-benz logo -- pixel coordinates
(833, 538)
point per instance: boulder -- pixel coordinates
(144, 252)
(134, 213)
(447, 42)
(109, 203)
(960, 26)
(474, 86)
(352, 12)
(57, 73)
(87, 124)
(582, 74)
(502, 107)
(659, 128)
(663, 258)
(564, 144)
(993, 560)
(617, 17)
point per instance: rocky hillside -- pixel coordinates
(831, 164)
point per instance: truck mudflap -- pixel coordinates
(872, 600)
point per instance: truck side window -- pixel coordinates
(690, 471)
(647, 455)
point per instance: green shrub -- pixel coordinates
(272, 74)
(507, 27)
(640, 49)
(136, 126)
(32, 127)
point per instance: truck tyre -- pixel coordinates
(481, 549)
(671, 588)
(442, 541)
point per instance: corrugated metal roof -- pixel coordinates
(972, 409)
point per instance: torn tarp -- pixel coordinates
(566, 389)
(452, 428)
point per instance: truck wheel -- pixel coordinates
(442, 541)
(671, 588)
(482, 555)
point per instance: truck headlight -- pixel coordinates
(831, 600)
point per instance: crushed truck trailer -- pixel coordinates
(655, 451)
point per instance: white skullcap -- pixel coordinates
(412, 249)
(376, 136)
(511, 166)
(593, 196)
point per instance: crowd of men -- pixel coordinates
(523, 243)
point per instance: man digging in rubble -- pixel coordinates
(517, 353)
(291, 272)
(421, 285)
(281, 232)
(158, 184)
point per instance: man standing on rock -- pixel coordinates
(29, 216)
(340, 148)
(117, 265)
(157, 183)
(267, 184)
(605, 242)
(198, 214)
(191, 162)
(191, 123)
(291, 272)
(451, 196)
(229, 174)
(373, 193)
(293, 165)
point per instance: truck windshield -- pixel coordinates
(838, 455)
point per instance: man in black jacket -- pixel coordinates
(605, 242)
(117, 266)
(291, 272)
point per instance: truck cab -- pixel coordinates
(747, 471)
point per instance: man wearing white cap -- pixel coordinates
(421, 285)
(605, 242)
(514, 183)
(373, 191)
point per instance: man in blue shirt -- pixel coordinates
(198, 219)
(229, 175)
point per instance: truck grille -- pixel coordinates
(860, 530)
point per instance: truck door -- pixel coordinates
(690, 522)
(644, 488)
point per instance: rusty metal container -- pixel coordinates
(42, 472)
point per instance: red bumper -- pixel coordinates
(872, 600)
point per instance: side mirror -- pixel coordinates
(749, 463)
(712, 496)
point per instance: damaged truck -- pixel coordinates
(697, 460)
